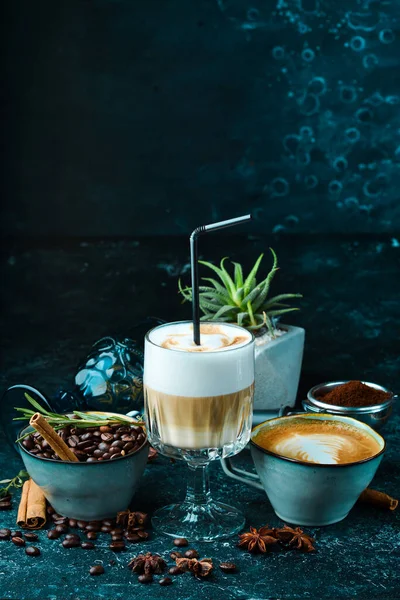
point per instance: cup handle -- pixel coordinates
(250, 479)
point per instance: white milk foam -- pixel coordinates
(315, 447)
(225, 363)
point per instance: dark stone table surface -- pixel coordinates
(60, 296)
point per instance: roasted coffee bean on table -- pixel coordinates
(91, 535)
(145, 578)
(165, 581)
(191, 554)
(16, 533)
(88, 445)
(96, 570)
(228, 567)
(32, 551)
(18, 541)
(31, 537)
(71, 543)
(175, 571)
(53, 534)
(5, 534)
(180, 542)
(175, 554)
(87, 545)
(117, 546)
(72, 536)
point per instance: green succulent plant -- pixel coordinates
(240, 299)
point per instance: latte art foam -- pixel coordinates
(317, 441)
(213, 338)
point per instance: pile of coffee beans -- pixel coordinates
(94, 444)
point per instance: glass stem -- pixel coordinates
(198, 485)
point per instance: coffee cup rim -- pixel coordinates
(234, 325)
(321, 416)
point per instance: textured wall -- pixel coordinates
(127, 117)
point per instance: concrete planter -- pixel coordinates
(277, 372)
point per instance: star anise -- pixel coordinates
(147, 563)
(295, 538)
(199, 568)
(258, 540)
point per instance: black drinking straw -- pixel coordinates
(195, 266)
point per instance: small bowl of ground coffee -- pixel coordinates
(367, 402)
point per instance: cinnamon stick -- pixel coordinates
(39, 423)
(378, 499)
(32, 507)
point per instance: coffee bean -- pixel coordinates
(96, 570)
(142, 534)
(92, 459)
(127, 438)
(93, 526)
(79, 454)
(50, 510)
(132, 537)
(180, 542)
(165, 581)
(62, 528)
(73, 523)
(116, 538)
(108, 522)
(71, 543)
(98, 453)
(55, 516)
(117, 531)
(114, 450)
(16, 533)
(116, 455)
(175, 555)
(31, 537)
(6, 498)
(86, 436)
(85, 445)
(87, 545)
(145, 578)
(140, 438)
(117, 546)
(28, 443)
(18, 541)
(34, 451)
(175, 571)
(62, 521)
(82, 524)
(135, 447)
(91, 449)
(32, 551)
(96, 433)
(53, 534)
(117, 444)
(191, 554)
(105, 529)
(105, 429)
(48, 454)
(73, 536)
(128, 446)
(5, 534)
(106, 456)
(104, 447)
(5, 505)
(228, 567)
(107, 437)
(91, 535)
(73, 441)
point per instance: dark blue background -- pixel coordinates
(138, 118)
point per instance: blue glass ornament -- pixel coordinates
(110, 378)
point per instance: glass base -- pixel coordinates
(198, 522)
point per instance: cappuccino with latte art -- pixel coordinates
(326, 442)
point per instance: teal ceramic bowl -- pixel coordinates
(87, 491)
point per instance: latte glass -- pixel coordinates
(198, 408)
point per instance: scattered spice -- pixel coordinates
(295, 538)
(147, 564)
(199, 568)
(378, 499)
(260, 540)
(354, 393)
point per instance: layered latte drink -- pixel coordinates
(199, 398)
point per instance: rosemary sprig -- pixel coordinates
(16, 482)
(57, 421)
